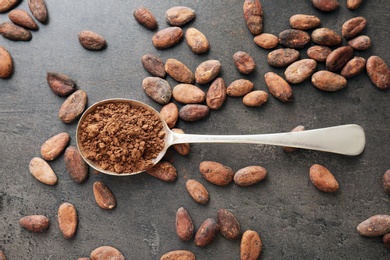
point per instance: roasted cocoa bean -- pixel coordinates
(278, 87)
(157, 89)
(42, 171)
(266, 40)
(179, 71)
(293, 149)
(360, 43)
(379, 72)
(38, 9)
(386, 182)
(170, 114)
(253, 14)
(353, 26)
(216, 173)
(354, 4)
(184, 224)
(167, 37)
(216, 94)
(183, 148)
(14, 32)
(54, 146)
(75, 164)
(145, 17)
(325, 36)
(228, 224)
(239, 88)
(250, 175)
(179, 15)
(251, 245)
(300, 70)
(328, 81)
(326, 5)
(6, 5)
(337, 59)
(6, 64)
(282, 57)
(154, 65)
(73, 106)
(193, 112)
(377, 225)
(67, 220)
(244, 62)
(164, 171)
(207, 71)
(304, 22)
(91, 40)
(60, 84)
(106, 252)
(178, 254)
(197, 191)
(323, 179)
(188, 94)
(255, 98)
(22, 18)
(2, 255)
(386, 240)
(206, 232)
(354, 67)
(292, 38)
(197, 41)
(103, 196)
(318, 53)
(35, 223)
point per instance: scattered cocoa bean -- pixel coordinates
(326, 5)
(360, 43)
(253, 14)
(170, 114)
(183, 148)
(206, 232)
(197, 191)
(6, 5)
(228, 224)
(323, 179)
(293, 38)
(179, 71)
(184, 224)
(282, 57)
(154, 65)
(103, 196)
(38, 9)
(167, 37)
(304, 22)
(379, 72)
(353, 26)
(145, 17)
(75, 164)
(328, 81)
(377, 225)
(239, 88)
(6, 64)
(318, 53)
(244, 62)
(22, 18)
(42, 171)
(73, 106)
(14, 32)
(337, 59)
(386, 182)
(178, 254)
(207, 71)
(216, 173)
(179, 15)
(91, 40)
(54, 146)
(300, 70)
(266, 40)
(164, 171)
(255, 98)
(60, 84)
(35, 223)
(354, 4)
(67, 219)
(278, 87)
(188, 94)
(293, 149)
(354, 67)
(197, 41)
(83, 258)
(193, 112)
(325, 36)
(249, 175)
(216, 94)
(386, 240)
(251, 245)
(2, 255)
(106, 252)
(157, 89)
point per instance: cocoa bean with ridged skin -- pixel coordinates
(193, 112)
(228, 225)
(207, 71)
(60, 84)
(337, 59)
(206, 232)
(145, 17)
(377, 225)
(38, 9)
(251, 245)
(353, 26)
(14, 32)
(179, 15)
(67, 219)
(249, 175)
(325, 36)
(379, 72)
(253, 14)
(170, 114)
(197, 41)
(184, 224)
(22, 18)
(239, 88)
(197, 191)
(75, 164)
(244, 62)
(6, 5)
(282, 57)
(323, 179)
(266, 40)
(154, 65)
(354, 4)
(103, 196)
(354, 67)
(73, 106)
(167, 37)
(91, 40)
(300, 70)
(326, 5)
(54, 146)
(179, 71)
(278, 87)
(42, 171)
(293, 38)
(328, 81)
(188, 94)
(255, 98)
(35, 223)
(318, 53)
(360, 43)
(106, 252)
(164, 171)
(304, 22)
(216, 173)
(216, 94)
(157, 89)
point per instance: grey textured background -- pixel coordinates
(294, 220)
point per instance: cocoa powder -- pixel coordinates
(121, 138)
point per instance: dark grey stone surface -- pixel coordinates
(293, 218)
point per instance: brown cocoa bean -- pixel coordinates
(266, 41)
(164, 171)
(354, 4)
(179, 71)
(300, 70)
(255, 98)
(2, 255)
(154, 65)
(304, 22)
(60, 84)
(35, 223)
(253, 14)
(379, 72)
(145, 17)
(292, 38)
(216, 94)
(75, 164)
(183, 148)
(193, 112)
(251, 245)
(325, 36)
(6, 64)
(249, 175)
(377, 225)
(353, 26)
(83, 258)
(328, 81)
(278, 87)
(326, 5)
(91, 40)
(216, 173)
(293, 149)
(14, 32)
(188, 94)
(6, 5)
(323, 179)
(386, 240)
(184, 224)
(337, 59)
(106, 252)
(157, 89)
(67, 219)
(386, 182)
(179, 15)
(54, 146)
(170, 114)
(354, 67)
(318, 53)
(197, 191)
(167, 37)
(244, 62)
(207, 71)
(103, 196)
(282, 57)
(38, 9)
(42, 171)
(178, 254)
(228, 224)
(197, 41)
(73, 106)
(360, 43)
(239, 88)
(22, 18)
(206, 232)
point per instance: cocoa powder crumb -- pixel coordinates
(121, 138)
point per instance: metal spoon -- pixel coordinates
(344, 139)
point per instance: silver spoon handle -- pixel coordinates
(345, 139)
